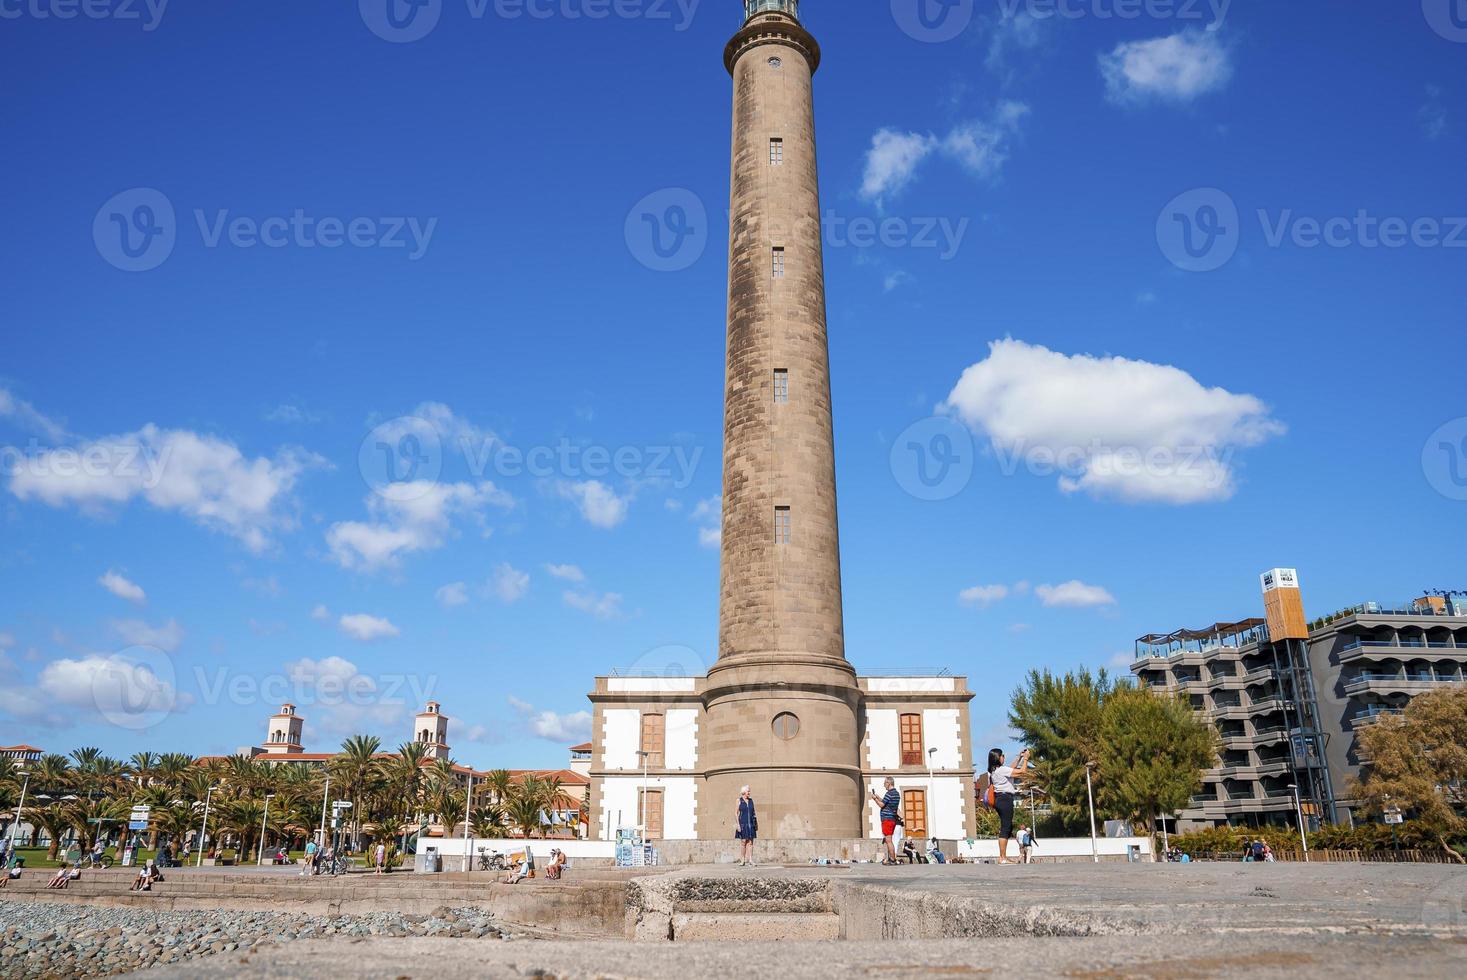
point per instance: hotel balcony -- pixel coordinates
(1366, 649)
(1397, 683)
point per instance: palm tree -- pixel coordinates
(91, 817)
(54, 819)
(525, 813)
(144, 768)
(242, 818)
(500, 783)
(174, 822)
(488, 820)
(53, 774)
(355, 770)
(174, 767)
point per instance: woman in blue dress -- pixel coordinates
(748, 826)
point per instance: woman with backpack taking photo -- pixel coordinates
(1000, 794)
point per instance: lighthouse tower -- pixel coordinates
(782, 700)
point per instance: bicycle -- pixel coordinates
(98, 863)
(491, 862)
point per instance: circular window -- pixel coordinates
(786, 725)
(776, 63)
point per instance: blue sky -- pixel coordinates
(1043, 237)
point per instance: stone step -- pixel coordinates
(753, 926)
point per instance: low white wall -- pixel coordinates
(1055, 847)
(454, 847)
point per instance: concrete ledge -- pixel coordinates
(753, 927)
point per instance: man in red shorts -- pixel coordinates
(890, 804)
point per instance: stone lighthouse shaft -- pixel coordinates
(782, 700)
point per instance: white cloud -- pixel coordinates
(7, 640)
(979, 146)
(1117, 428)
(344, 701)
(567, 573)
(599, 504)
(452, 430)
(603, 606)
(1433, 115)
(25, 415)
(366, 628)
(122, 588)
(135, 632)
(892, 162)
(1015, 30)
(114, 688)
(1074, 595)
(269, 586)
(895, 279)
(419, 517)
(1174, 69)
(321, 612)
(453, 594)
(710, 513)
(983, 596)
(291, 415)
(553, 727)
(202, 477)
(508, 584)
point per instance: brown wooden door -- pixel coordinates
(914, 812)
(911, 740)
(654, 739)
(650, 803)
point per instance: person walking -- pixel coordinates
(1003, 780)
(890, 804)
(748, 824)
(308, 867)
(1026, 844)
(379, 858)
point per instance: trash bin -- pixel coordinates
(432, 861)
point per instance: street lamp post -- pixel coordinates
(642, 809)
(204, 828)
(260, 854)
(931, 791)
(1090, 798)
(1299, 812)
(325, 796)
(15, 824)
(468, 809)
